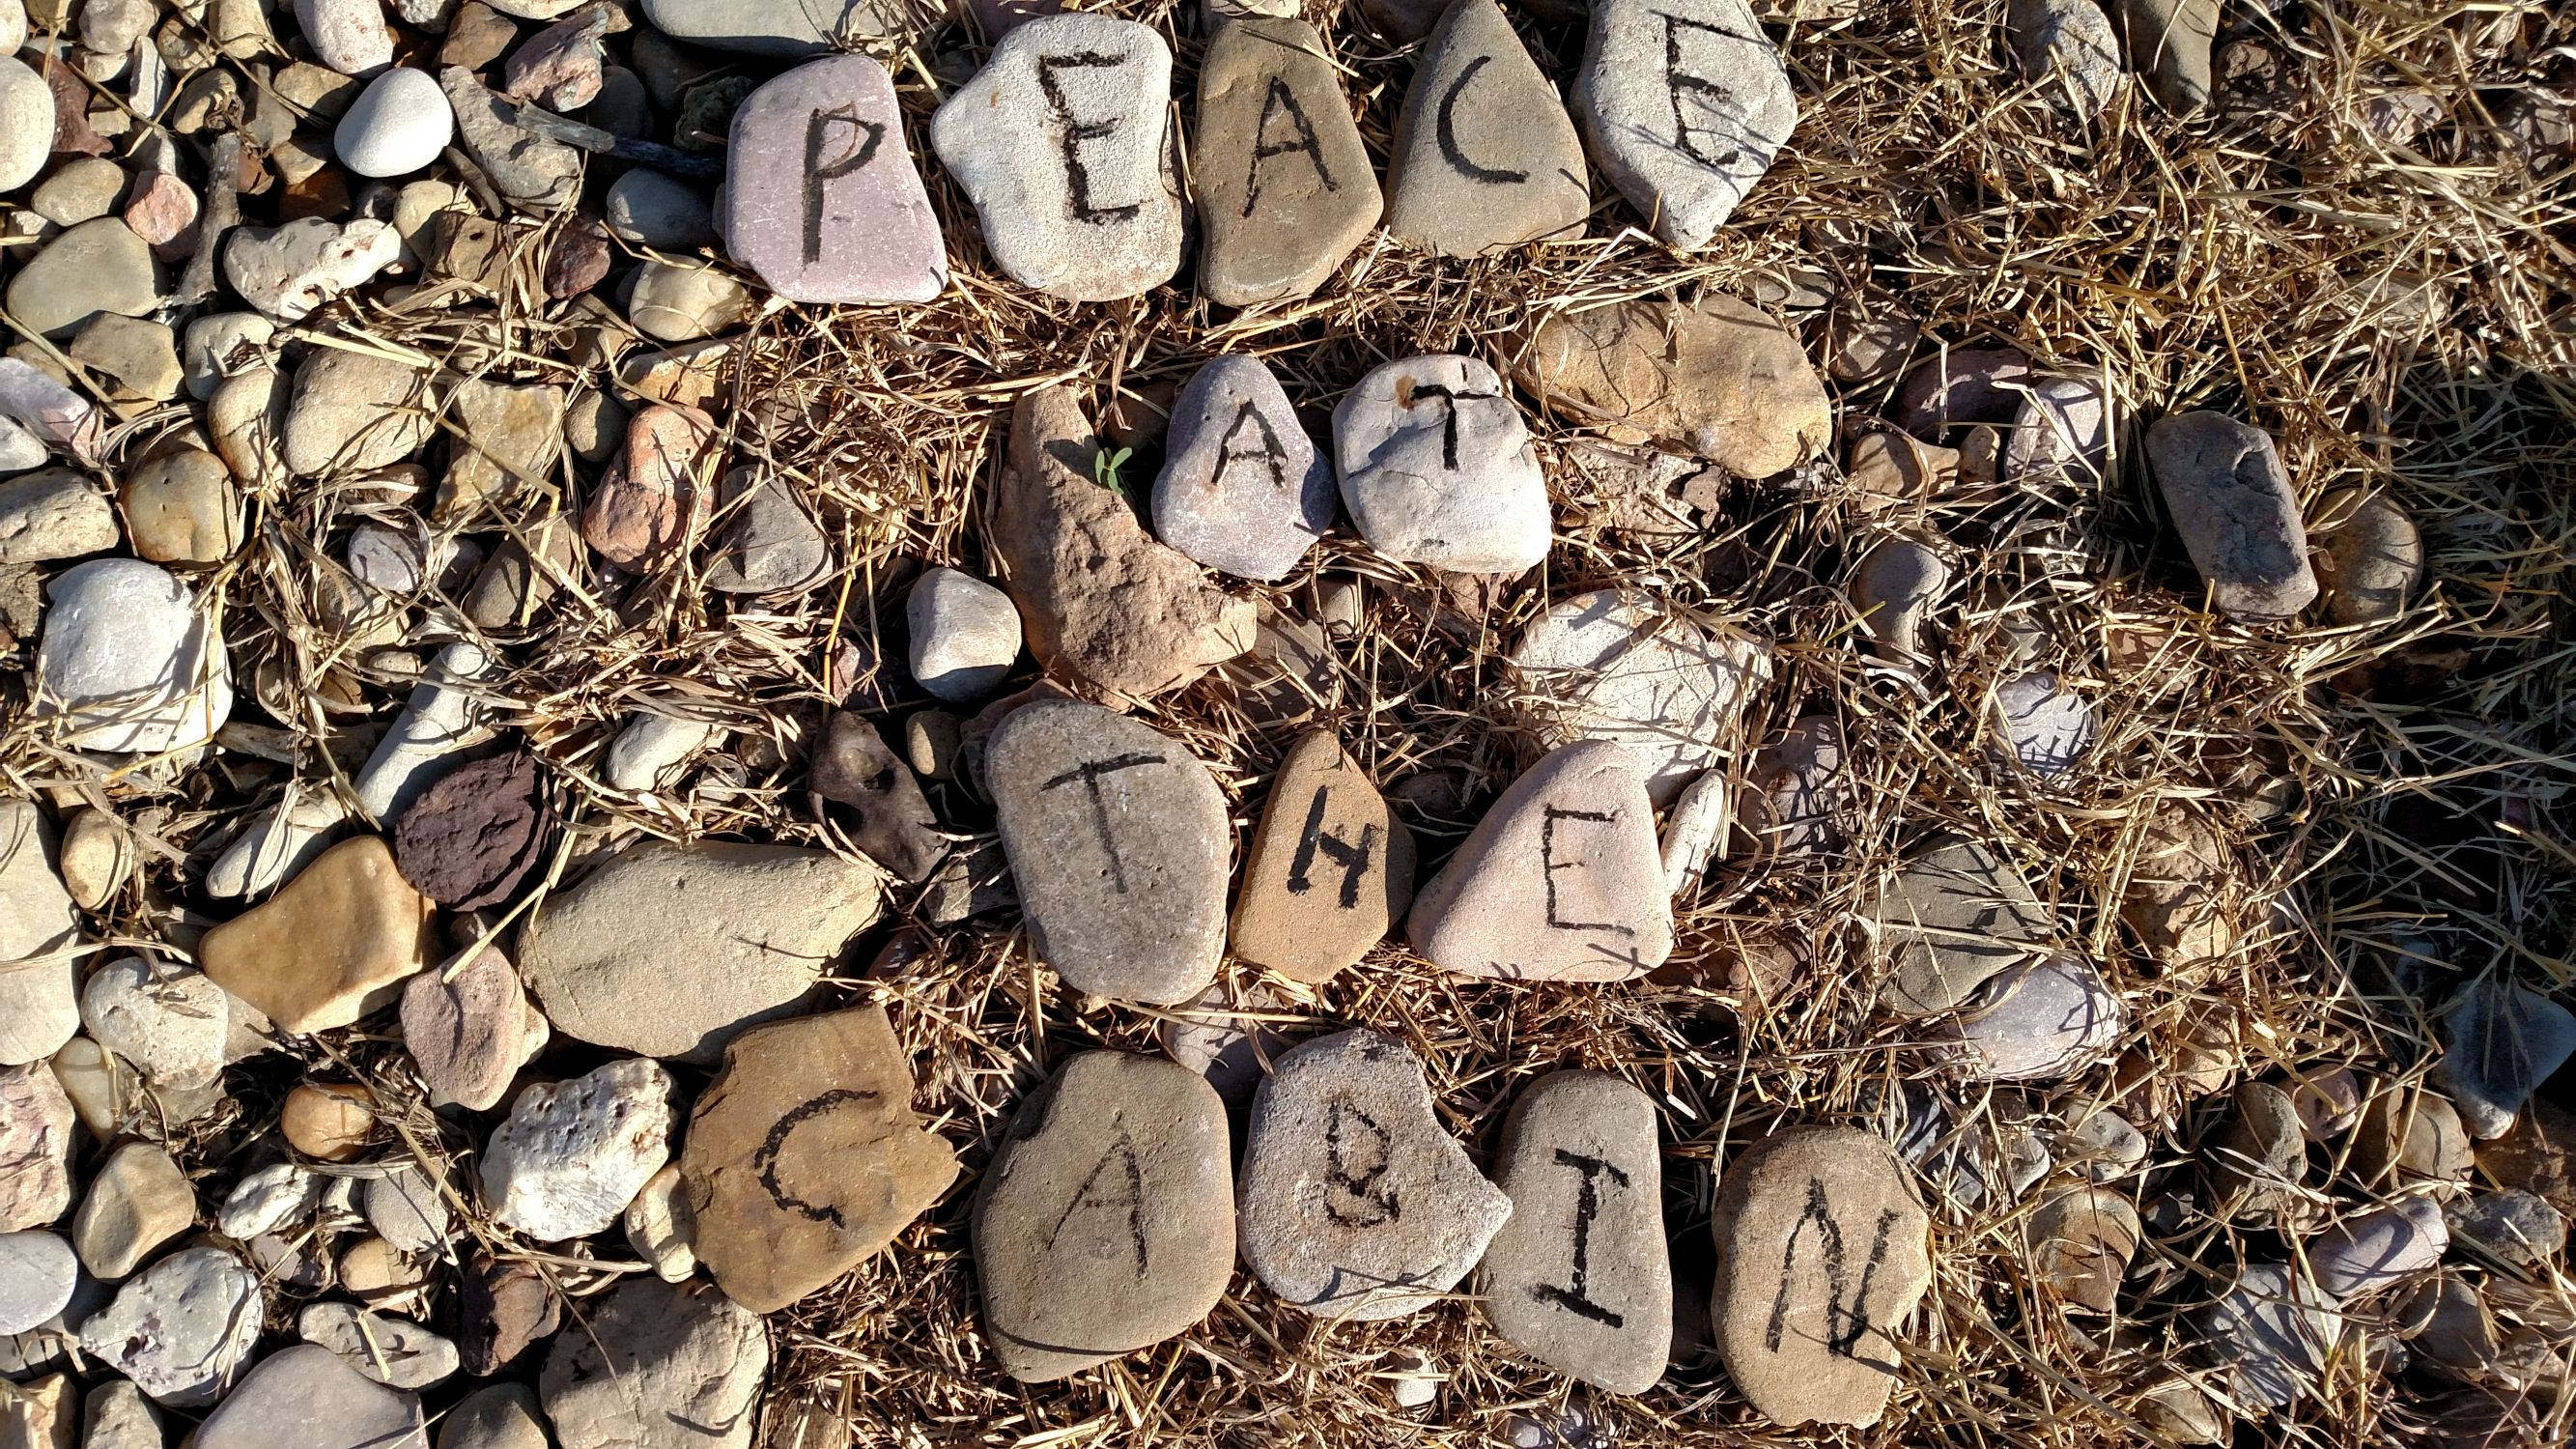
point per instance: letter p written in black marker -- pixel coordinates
(858, 148)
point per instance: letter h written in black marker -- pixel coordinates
(1283, 101)
(1353, 859)
(1680, 83)
(1077, 172)
(858, 148)
(1088, 774)
(1574, 1298)
(1846, 1306)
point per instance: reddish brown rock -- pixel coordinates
(472, 1034)
(558, 67)
(35, 1147)
(163, 211)
(73, 135)
(502, 1307)
(477, 36)
(1105, 604)
(656, 496)
(580, 258)
(472, 837)
(896, 827)
(2533, 1156)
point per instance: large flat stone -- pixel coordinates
(1685, 104)
(1286, 189)
(1953, 917)
(821, 197)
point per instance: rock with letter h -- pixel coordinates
(821, 198)
(1821, 1253)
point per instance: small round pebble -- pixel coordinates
(328, 1120)
(397, 126)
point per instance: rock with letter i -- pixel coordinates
(821, 198)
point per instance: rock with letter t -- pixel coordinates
(821, 198)
(1821, 1253)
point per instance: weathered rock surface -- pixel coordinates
(170, 1021)
(663, 1366)
(1579, 1277)
(182, 1329)
(1121, 845)
(1286, 187)
(1613, 666)
(572, 1154)
(1329, 871)
(2038, 1021)
(354, 411)
(35, 1147)
(2368, 1253)
(307, 1397)
(1353, 1201)
(2080, 1243)
(821, 198)
(1437, 468)
(1485, 157)
(1720, 377)
(388, 1350)
(2501, 1041)
(1954, 917)
(38, 1272)
(1685, 107)
(2071, 43)
(2232, 503)
(332, 946)
(2269, 1335)
(54, 513)
(1105, 1222)
(965, 634)
(854, 766)
(804, 1158)
(472, 838)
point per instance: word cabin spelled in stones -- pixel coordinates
(1062, 143)
(1106, 1220)
(821, 198)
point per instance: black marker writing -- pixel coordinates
(1450, 400)
(858, 148)
(1270, 454)
(1846, 1310)
(1448, 134)
(764, 1163)
(1587, 1206)
(1551, 865)
(1281, 101)
(1089, 774)
(1126, 1179)
(1679, 83)
(1077, 172)
(1353, 859)
(1357, 1154)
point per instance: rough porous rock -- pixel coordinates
(1485, 157)
(1329, 871)
(2038, 1021)
(1804, 1336)
(1102, 601)
(35, 1147)
(507, 439)
(182, 1329)
(1561, 881)
(1062, 143)
(1243, 489)
(2232, 503)
(471, 1035)
(1286, 187)
(2269, 1334)
(53, 513)
(306, 1396)
(2502, 1040)
(397, 125)
(127, 662)
(2373, 556)
(1614, 666)
(1353, 1201)
(655, 498)
(854, 766)
(1685, 107)
(395, 1352)
(1436, 466)
(2359, 1257)
(804, 1158)
(1121, 845)
(1579, 1277)
(276, 1196)
(170, 1021)
(1954, 917)
(1105, 1221)
(660, 1366)
(572, 1154)
(965, 634)
(524, 166)
(332, 946)
(614, 965)
(2080, 1244)
(288, 271)
(821, 198)
(475, 835)
(2069, 44)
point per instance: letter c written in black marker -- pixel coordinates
(1448, 134)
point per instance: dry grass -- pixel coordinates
(2397, 314)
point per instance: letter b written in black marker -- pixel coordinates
(1081, 187)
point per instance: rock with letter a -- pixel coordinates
(1821, 1253)
(821, 198)
(1285, 185)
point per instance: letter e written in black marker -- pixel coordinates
(858, 147)
(1282, 101)
(1574, 1297)
(1695, 98)
(1556, 823)
(1079, 183)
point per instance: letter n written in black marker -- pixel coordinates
(858, 147)
(1574, 1297)
(1451, 151)
(1078, 179)
(1281, 101)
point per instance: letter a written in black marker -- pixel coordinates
(1077, 172)
(1357, 1153)
(1353, 859)
(1270, 454)
(1707, 95)
(1587, 1206)
(858, 148)
(1116, 1182)
(1283, 101)
(1450, 151)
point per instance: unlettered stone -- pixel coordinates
(1579, 1277)
(1102, 600)
(2502, 1040)
(804, 1158)
(395, 1352)
(332, 946)
(470, 1035)
(128, 662)
(1353, 1201)
(354, 411)
(26, 122)
(99, 266)
(2231, 501)
(502, 1416)
(790, 31)
(507, 438)
(2169, 43)
(2070, 47)
(1062, 144)
(2535, 1155)
(181, 508)
(523, 165)
(821, 198)
(1561, 881)
(1121, 844)
(440, 721)
(1286, 188)
(854, 766)
(572, 1154)
(1243, 489)
(182, 1329)
(1329, 871)
(614, 965)
(275, 1197)
(1609, 665)
(651, 209)
(1953, 918)
(1685, 107)
(54, 513)
(503, 1305)
(308, 1397)
(769, 544)
(397, 126)
(1485, 157)
(2038, 1021)
(471, 838)
(1694, 834)
(36, 913)
(2269, 1335)
(656, 496)
(2039, 726)
(651, 746)
(2260, 1155)
(2356, 1258)
(117, 1416)
(1962, 386)
(2080, 1244)
(278, 845)
(2061, 435)
(39, 1008)
(288, 271)
(350, 36)
(408, 1210)
(1822, 1251)
(170, 1021)
(41, 404)
(1893, 592)
(1105, 1221)
(660, 1227)
(2373, 556)
(38, 1271)
(35, 1147)
(965, 634)
(1436, 465)
(2513, 1227)
(2406, 1134)
(660, 1366)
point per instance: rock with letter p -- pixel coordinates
(821, 198)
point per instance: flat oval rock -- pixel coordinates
(1822, 1251)
(1062, 143)
(1105, 1222)
(2038, 1021)
(1953, 917)
(2358, 1257)
(1437, 468)
(804, 1158)
(1485, 157)
(2081, 1241)
(1563, 880)
(474, 835)
(2232, 503)
(1351, 1191)
(1580, 1277)
(1121, 845)
(181, 1329)
(1613, 666)
(1243, 489)
(1686, 105)
(657, 1366)
(1286, 187)
(2270, 1335)
(821, 198)
(471, 1035)
(1330, 869)
(307, 1397)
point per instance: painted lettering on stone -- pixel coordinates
(1116, 1183)
(1447, 132)
(1299, 140)
(1079, 182)
(1573, 1296)
(1089, 775)
(1559, 824)
(1353, 859)
(1357, 1154)
(838, 142)
(1700, 106)
(1846, 1303)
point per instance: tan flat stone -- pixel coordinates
(1330, 870)
(333, 945)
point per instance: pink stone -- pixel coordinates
(53, 412)
(164, 213)
(654, 498)
(822, 200)
(558, 67)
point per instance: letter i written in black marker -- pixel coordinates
(858, 148)
(1574, 1297)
